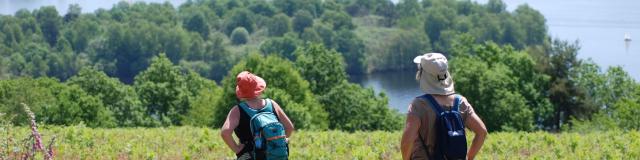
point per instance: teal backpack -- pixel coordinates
(268, 133)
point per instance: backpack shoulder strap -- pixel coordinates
(271, 108)
(251, 112)
(434, 104)
(268, 106)
(456, 103)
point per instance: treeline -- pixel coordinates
(210, 36)
(313, 91)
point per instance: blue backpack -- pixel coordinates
(268, 133)
(451, 141)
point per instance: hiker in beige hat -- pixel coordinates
(423, 136)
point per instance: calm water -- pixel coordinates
(599, 25)
(400, 87)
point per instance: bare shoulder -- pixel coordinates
(275, 104)
(413, 103)
(465, 106)
(417, 101)
(417, 107)
(235, 111)
(464, 100)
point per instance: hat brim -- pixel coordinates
(418, 59)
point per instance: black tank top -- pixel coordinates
(243, 131)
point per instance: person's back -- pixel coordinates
(419, 140)
(248, 119)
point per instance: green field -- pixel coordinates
(205, 143)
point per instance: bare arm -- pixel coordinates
(230, 124)
(477, 126)
(284, 119)
(409, 135)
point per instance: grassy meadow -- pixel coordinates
(77, 142)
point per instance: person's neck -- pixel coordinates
(254, 103)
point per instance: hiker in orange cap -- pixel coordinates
(259, 123)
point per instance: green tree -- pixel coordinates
(568, 99)
(438, 19)
(388, 11)
(503, 87)
(513, 34)
(80, 32)
(35, 58)
(404, 47)
(239, 36)
(615, 94)
(75, 107)
(262, 7)
(50, 23)
(11, 30)
(240, 18)
(204, 94)
(55, 102)
(327, 35)
(290, 7)
(119, 98)
(197, 23)
(496, 6)
(163, 91)
(301, 20)
(532, 23)
(352, 108)
(627, 110)
(128, 48)
(352, 48)
(339, 20)
(322, 67)
(33, 92)
(408, 8)
(283, 46)
(310, 35)
(279, 25)
(73, 13)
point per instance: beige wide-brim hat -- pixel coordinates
(433, 74)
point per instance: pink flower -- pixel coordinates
(48, 155)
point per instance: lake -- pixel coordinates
(401, 87)
(598, 25)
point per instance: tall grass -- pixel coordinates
(79, 142)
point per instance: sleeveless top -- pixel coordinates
(243, 131)
(421, 108)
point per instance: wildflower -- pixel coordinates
(48, 155)
(34, 128)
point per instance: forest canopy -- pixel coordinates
(155, 64)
